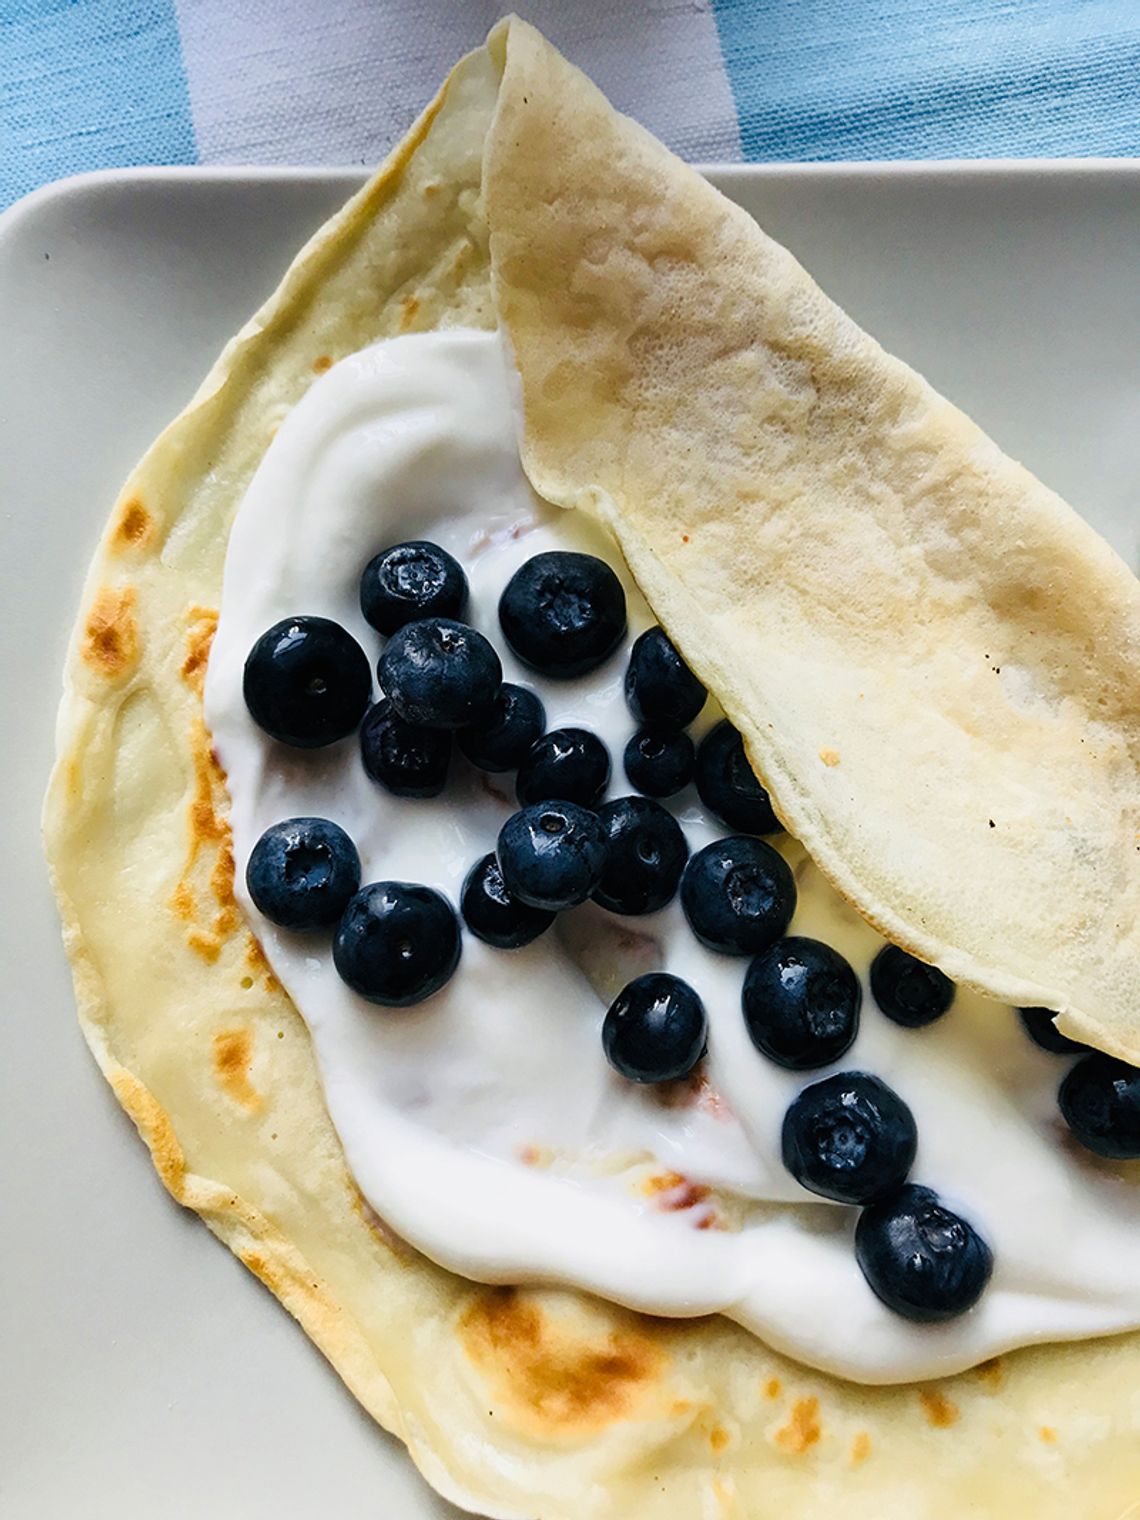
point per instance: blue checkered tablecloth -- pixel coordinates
(92, 83)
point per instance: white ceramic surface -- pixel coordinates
(144, 1372)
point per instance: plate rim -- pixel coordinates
(97, 181)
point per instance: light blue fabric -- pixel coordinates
(91, 83)
(87, 84)
(833, 79)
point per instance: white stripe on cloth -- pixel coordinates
(297, 81)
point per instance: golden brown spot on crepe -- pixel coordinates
(222, 876)
(684, 538)
(830, 757)
(553, 1378)
(133, 527)
(111, 636)
(203, 624)
(258, 1266)
(155, 1128)
(255, 957)
(991, 1373)
(772, 1388)
(679, 1407)
(205, 824)
(1048, 1435)
(719, 1438)
(233, 1057)
(207, 827)
(322, 364)
(803, 1428)
(938, 1409)
(208, 946)
(246, 983)
(860, 1448)
(409, 306)
(226, 921)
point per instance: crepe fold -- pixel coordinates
(933, 663)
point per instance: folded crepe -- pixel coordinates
(935, 665)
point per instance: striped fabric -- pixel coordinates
(90, 83)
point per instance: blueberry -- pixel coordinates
(923, 1261)
(727, 785)
(411, 581)
(660, 688)
(738, 895)
(850, 1138)
(568, 763)
(562, 613)
(801, 1003)
(499, 741)
(493, 915)
(551, 855)
(307, 682)
(409, 760)
(440, 673)
(907, 990)
(656, 1029)
(659, 763)
(645, 855)
(397, 943)
(302, 872)
(1039, 1026)
(1100, 1102)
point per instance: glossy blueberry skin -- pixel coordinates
(907, 990)
(738, 895)
(411, 761)
(493, 915)
(499, 741)
(397, 943)
(646, 852)
(801, 1003)
(923, 1261)
(551, 855)
(727, 785)
(1100, 1102)
(1039, 1026)
(307, 682)
(659, 763)
(567, 763)
(563, 613)
(656, 1029)
(850, 1138)
(440, 673)
(302, 872)
(661, 690)
(406, 582)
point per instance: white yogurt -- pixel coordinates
(485, 1125)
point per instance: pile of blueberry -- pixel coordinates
(307, 683)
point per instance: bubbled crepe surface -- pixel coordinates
(737, 468)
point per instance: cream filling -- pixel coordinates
(485, 1125)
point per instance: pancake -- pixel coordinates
(685, 381)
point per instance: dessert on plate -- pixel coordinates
(596, 824)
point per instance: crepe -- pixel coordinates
(683, 378)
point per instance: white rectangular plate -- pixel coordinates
(144, 1371)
